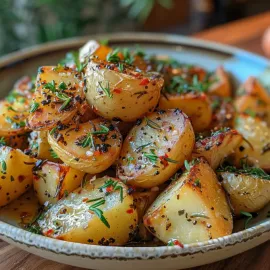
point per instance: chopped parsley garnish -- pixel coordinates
(94, 208)
(34, 107)
(106, 89)
(248, 217)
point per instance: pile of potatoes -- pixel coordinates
(121, 148)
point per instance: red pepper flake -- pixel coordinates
(163, 160)
(117, 90)
(234, 132)
(85, 200)
(109, 189)
(130, 138)
(35, 178)
(144, 81)
(49, 232)
(97, 153)
(130, 211)
(178, 243)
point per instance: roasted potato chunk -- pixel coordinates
(15, 141)
(16, 174)
(53, 181)
(248, 193)
(101, 213)
(12, 120)
(192, 209)
(221, 84)
(217, 147)
(196, 106)
(156, 148)
(256, 147)
(57, 98)
(121, 95)
(91, 147)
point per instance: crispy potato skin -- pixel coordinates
(173, 139)
(17, 141)
(173, 214)
(79, 224)
(247, 193)
(89, 159)
(216, 148)
(196, 106)
(133, 94)
(16, 176)
(50, 111)
(257, 133)
(52, 181)
(222, 87)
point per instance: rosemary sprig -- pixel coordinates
(50, 86)
(103, 130)
(113, 56)
(34, 107)
(152, 124)
(88, 141)
(94, 208)
(141, 147)
(171, 160)
(53, 154)
(106, 89)
(115, 185)
(151, 156)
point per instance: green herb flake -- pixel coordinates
(113, 56)
(250, 113)
(151, 156)
(152, 124)
(248, 217)
(53, 154)
(103, 130)
(34, 107)
(187, 166)
(2, 141)
(98, 212)
(4, 166)
(106, 89)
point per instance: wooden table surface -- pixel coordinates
(245, 34)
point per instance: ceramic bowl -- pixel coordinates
(209, 55)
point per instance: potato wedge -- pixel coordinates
(222, 86)
(12, 121)
(196, 106)
(247, 193)
(256, 149)
(192, 209)
(16, 174)
(52, 181)
(156, 148)
(21, 211)
(216, 148)
(126, 95)
(91, 147)
(57, 98)
(100, 213)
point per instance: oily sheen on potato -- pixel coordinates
(247, 193)
(121, 94)
(100, 213)
(192, 209)
(91, 147)
(52, 181)
(155, 148)
(16, 175)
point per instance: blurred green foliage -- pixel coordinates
(27, 22)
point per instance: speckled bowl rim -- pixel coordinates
(21, 236)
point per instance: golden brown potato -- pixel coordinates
(15, 141)
(247, 193)
(121, 94)
(91, 147)
(196, 106)
(57, 98)
(101, 212)
(221, 84)
(192, 209)
(24, 87)
(156, 148)
(16, 175)
(53, 181)
(12, 119)
(256, 147)
(218, 146)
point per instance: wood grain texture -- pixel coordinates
(245, 34)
